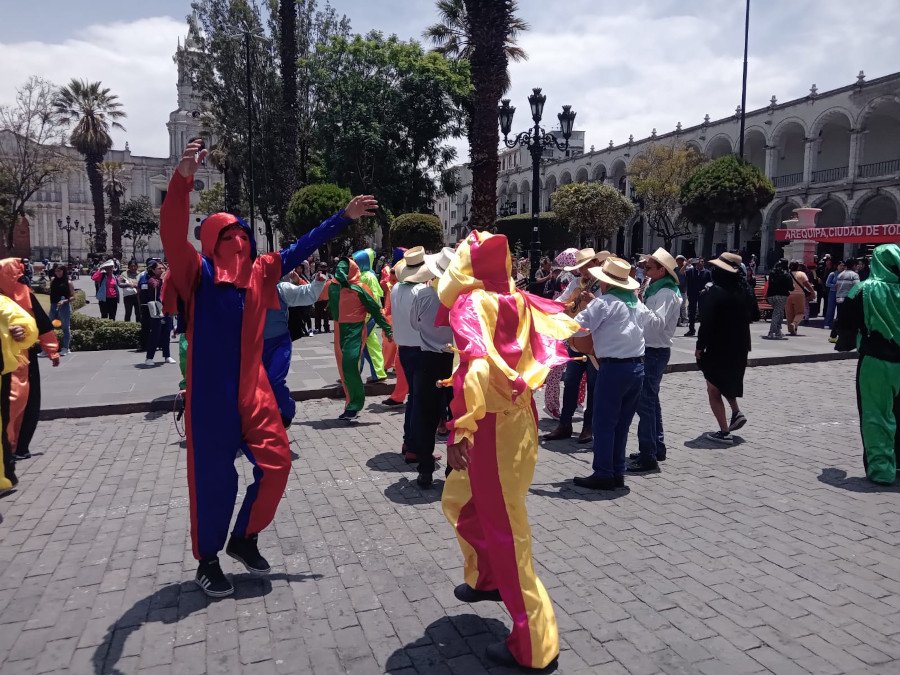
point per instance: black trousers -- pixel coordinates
(409, 361)
(131, 305)
(108, 308)
(9, 465)
(32, 406)
(431, 401)
(322, 315)
(693, 307)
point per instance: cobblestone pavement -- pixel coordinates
(774, 555)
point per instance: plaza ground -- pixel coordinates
(771, 556)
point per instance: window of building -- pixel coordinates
(162, 197)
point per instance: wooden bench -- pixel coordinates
(759, 290)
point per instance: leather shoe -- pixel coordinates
(465, 593)
(600, 483)
(560, 433)
(660, 456)
(424, 481)
(641, 465)
(499, 653)
(586, 436)
(391, 402)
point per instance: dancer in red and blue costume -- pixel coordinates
(229, 405)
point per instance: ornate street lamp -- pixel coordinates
(535, 140)
(90, 233)
(68, 227)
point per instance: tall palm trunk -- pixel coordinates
(95, 179)
(487, 21)
(115, 219)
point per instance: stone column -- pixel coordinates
(765, 244)
(856, 142)
(729, 237)
(809, 151)
(771, 160)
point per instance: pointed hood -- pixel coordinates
(347, 273)
(11, 271)
(228, 269)
(364, 259)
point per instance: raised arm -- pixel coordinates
(175, 215)
(359, 207)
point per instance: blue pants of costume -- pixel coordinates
(651, 443)
(277, 362)
(575, 370)
(616, 392)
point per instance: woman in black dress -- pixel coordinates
(723, 342)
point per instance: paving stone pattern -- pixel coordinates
(773, 556)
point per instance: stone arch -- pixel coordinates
(876, 208)
(619, 174)
(550, 184)
(599, 173)
(525, 197)
(835, 213)
(789, 139)
(582, 176)
(695, 145)
(880, 124)
(719, 146)
(776, 213)
(755, 147)
(831, 133)
(565, 178)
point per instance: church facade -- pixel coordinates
(70, 195)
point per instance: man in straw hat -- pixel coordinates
(507, 342)
(435, 363)
(411, 275)
(616, 322)
(576, 296)
(663, 299)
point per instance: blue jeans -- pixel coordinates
(409, 360)
(651, 443)
(575, 370)
(616, 392)
(370, 326)
(63, 312)
(277, 362)
(830, 305)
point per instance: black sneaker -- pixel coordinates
(21, 455)
(738, 420)
(212, 580)
(348, 415)
(246, 552)
(391, 402)
(720, 437)
(660, 456)
(425, 481)
(642, 466)
(465, 593)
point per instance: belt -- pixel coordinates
(634, 359)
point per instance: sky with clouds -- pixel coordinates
(624, 67)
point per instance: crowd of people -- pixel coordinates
(470, 340)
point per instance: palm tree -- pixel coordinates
(451, 35)
(115, 189)
(93, 111)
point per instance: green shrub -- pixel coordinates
(90, 334)
(417, 229)
(79, 300)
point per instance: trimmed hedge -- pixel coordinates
(418, 229)
(90, 334)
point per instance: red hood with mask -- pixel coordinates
(11, 271)
(232, 258)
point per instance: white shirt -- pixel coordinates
(402, 298)
(616, 328)
(425, 309)
(574, 285)
(661, 324)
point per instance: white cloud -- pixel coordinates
(133, 59)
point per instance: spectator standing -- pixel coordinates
(696, 279)
(61, 294)
(159, 326)
(801, 290)
(107, 289)
(777, 290)
(128, 282)
(682, 288)
(321, 315)
(844, 282)
(831, 305)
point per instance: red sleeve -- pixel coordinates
(174, 217)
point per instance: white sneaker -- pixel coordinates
(149, 362)
(63, 352)
(169, 359)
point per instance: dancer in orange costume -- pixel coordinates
(391, 359)
(507, 342)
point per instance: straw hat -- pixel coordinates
(584, 256)
(730, 262)
(438, 263)
(664, 258)
(412, 268)
(615, 272)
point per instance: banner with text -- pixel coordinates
(850, 234)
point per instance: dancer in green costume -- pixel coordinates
(365, 259)
(870, 322)
(349, 302)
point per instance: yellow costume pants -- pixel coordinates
(486, 506)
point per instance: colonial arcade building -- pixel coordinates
(838, 151)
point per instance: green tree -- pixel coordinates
(114, 188)
(418, 229)
(387, 109)
(139, 222)
(657, 175)
(726, 190)
(592, 209)
(30, 153)
(92, 111)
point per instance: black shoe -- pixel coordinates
(595, 483)
(499, 653)
(21, 455)
(465, 593)
(561, 432)
(212, 580)
(425, 481)
(660, 456)
(348, 415)
(586, 436)
(720, 437)
(246, 552)
(391, 402)
(373, 380)
(738, 420)
(643, 466)
(286, 421)
(690, 333)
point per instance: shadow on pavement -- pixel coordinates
(171, 604)
(389, 461)
(452, 643)
(568, 490)
(324, 425)
(702, 443)
(406, 491)
(838, 478)
(569, 447)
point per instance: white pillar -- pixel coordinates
(809, 149)
(764, 245)
(856, 142)
(771, 160)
